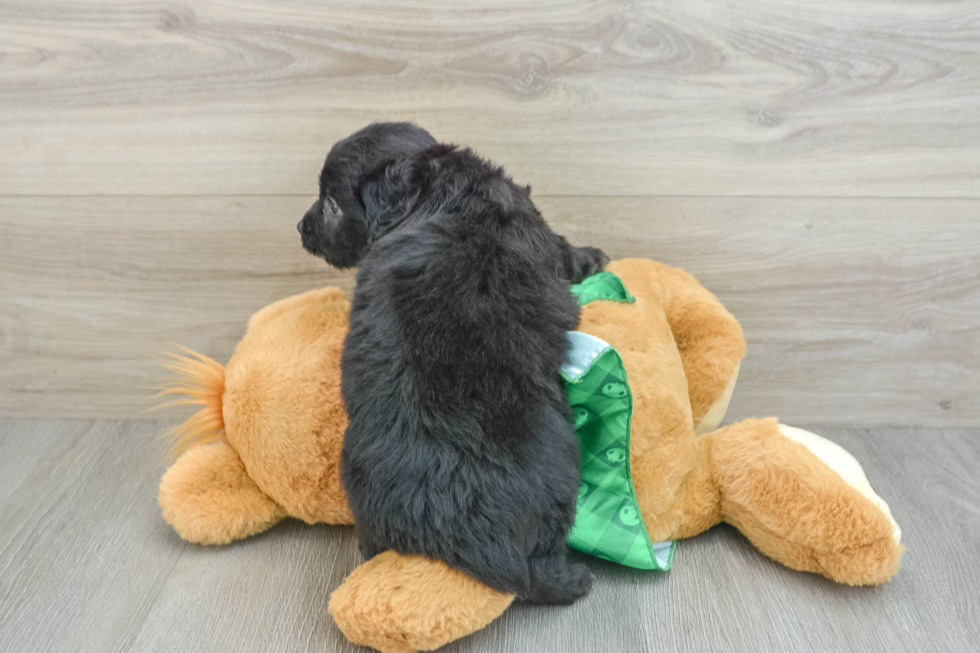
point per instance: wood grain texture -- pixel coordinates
(87, 565)
(857, 312)
(771, 97)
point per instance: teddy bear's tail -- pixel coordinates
(198, 381)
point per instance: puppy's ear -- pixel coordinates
(373, 197)
(391, 194)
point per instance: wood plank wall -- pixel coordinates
(817, 165)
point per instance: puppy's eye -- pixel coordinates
(332, 206)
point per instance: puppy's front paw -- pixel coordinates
(586, 261)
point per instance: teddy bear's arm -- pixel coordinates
(208, 497)
(710, 342)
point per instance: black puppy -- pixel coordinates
(459, 445)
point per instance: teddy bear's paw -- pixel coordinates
(208, 497)
(845, 465)
(404, 603)
(804, 501)
(859, 540)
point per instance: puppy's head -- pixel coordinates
(338, 226)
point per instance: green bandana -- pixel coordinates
(608, 523)
(602, 285)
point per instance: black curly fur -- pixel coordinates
(459, 445)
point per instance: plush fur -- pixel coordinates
(459, 445)
(454, 604)
(210, 498)
(793, 500)
(267, 442)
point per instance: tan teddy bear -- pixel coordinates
(266, 445)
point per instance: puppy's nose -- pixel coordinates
(299, 227)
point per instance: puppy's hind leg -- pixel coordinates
(556, 580)
(553, 577)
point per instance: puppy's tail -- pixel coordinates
(198, 381)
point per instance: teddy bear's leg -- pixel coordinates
(208, 497)
(309, 297)
(804, 501)
(403, 603)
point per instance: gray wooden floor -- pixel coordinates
(88, 565)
